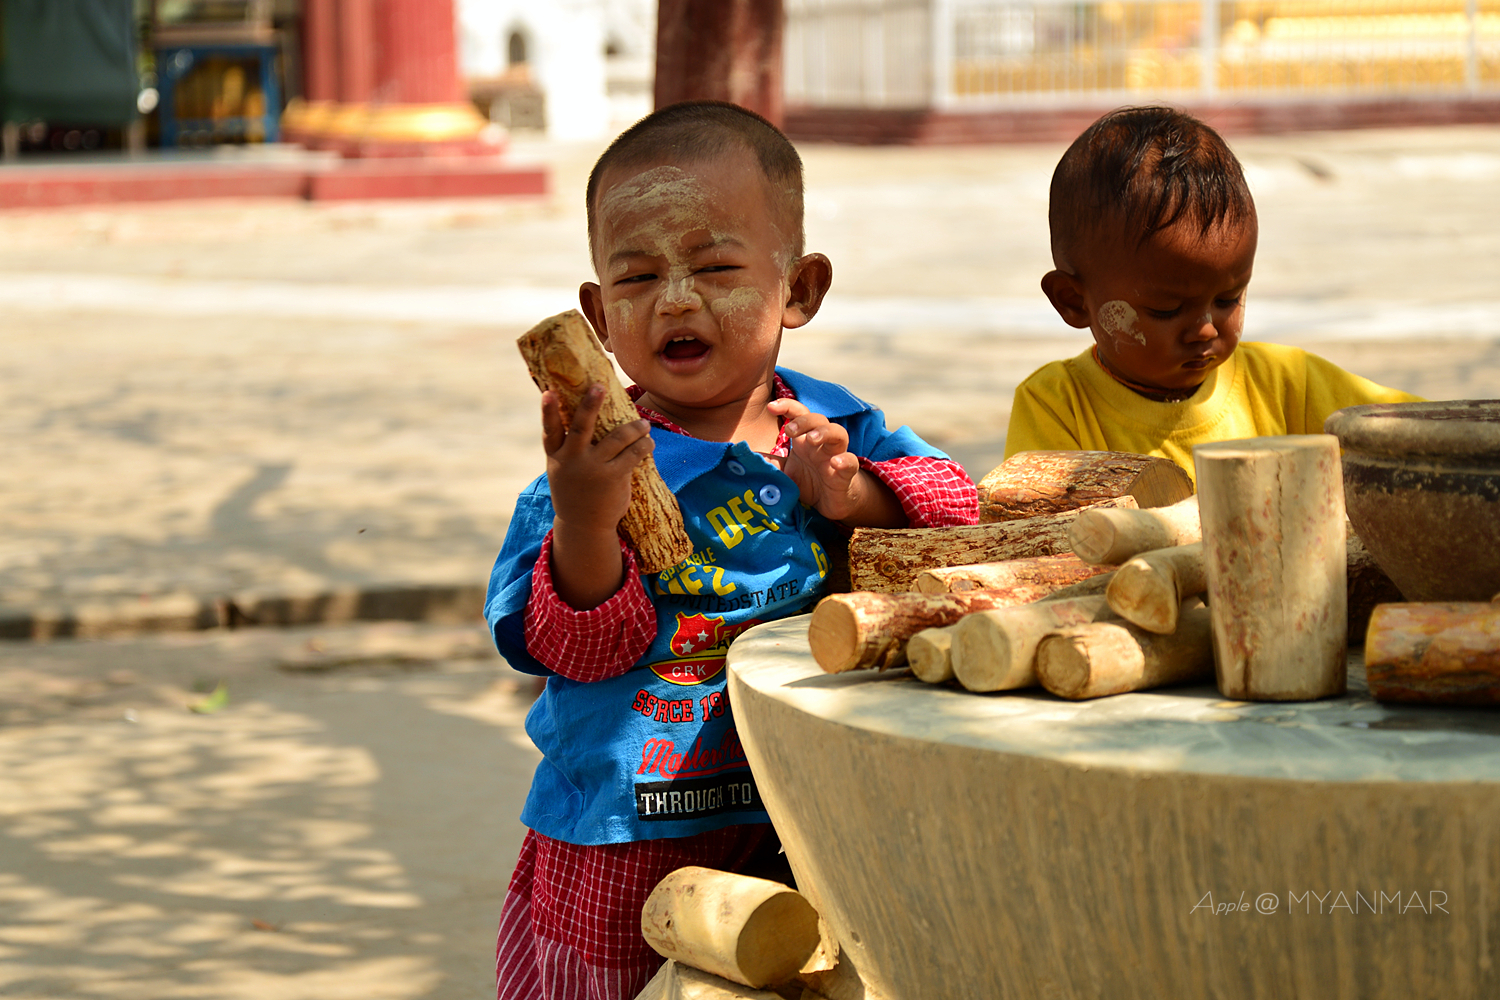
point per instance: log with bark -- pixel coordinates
(996, 650)
(860, 630)
(748, 930)
(1113, 536)
(1103, 658)
(1435, 653)
(1274, 548)
(1063, 570)
(1148, 590)
(930, 654)
(563, 355)
(887, 560)
(1033, 483)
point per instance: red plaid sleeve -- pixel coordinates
(591, 645)
(933, 491)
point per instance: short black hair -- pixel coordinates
(694, 131)
(1140, 171)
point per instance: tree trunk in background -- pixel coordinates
(727, 50)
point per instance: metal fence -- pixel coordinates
(960, 53)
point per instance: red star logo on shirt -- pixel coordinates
(696, 633)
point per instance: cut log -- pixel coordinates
(887, 560)
(1113, 536)
(996, 650)
(1435, 653)
(1062, 570)
(861, 630)
(563, 355)
(1094, 585)
(1034, 483)
(1148, 590)
(1275, 552)
(749, 930)
(1091, 661)
(930, 654)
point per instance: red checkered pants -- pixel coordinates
(570, 928)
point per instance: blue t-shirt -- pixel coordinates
(653, 753)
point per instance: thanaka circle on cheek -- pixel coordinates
(740, 300)
(1118, 318)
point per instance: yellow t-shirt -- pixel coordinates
(1262, 389)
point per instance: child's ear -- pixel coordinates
(1065, 292)
(809, 281)
(591, 301)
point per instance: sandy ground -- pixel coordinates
(211, 400)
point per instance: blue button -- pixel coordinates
(736, 468)
(770, 495)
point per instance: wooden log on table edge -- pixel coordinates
(1148, 590)
(1436, 653)
(1035, 483)
(863, 629)
(1276, 552)
(1104, 658)
(563, 355)
(1112, 536)
(887, 560)
(929, 653)
(1062, 570)
(748, 930)
(996, 650)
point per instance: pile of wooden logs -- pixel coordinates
(1085, 600)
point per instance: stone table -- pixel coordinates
(1162, 844)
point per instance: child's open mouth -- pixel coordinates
(682, 348)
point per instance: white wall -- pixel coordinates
(565, 47)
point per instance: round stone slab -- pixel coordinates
(1161, 844)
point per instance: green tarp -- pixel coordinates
(71, 61)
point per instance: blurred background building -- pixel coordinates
(399, 78)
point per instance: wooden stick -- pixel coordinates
(930, 654)
(1148, 590)
(1033, 483)
(1275, 551)
(861, 630)
(996, 650)
(1435, 653)
(1062, 570)
(1090, 661)
(887, 560)
(748, 930)
(1104, 536)
(563, 355)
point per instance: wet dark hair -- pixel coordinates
(694, 131)
(1139, 171)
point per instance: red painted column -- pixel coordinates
(724, 50)
(418, 60)
(320, 50)
(356, 46)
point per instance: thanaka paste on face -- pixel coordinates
(737, 301)
(1117, 318)
(653, 211)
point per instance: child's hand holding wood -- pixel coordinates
(590, 486)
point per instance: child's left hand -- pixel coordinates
(828, 475)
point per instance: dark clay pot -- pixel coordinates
(1422, 487)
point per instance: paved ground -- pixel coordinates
(254, 403)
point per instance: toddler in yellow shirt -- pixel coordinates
(1153, 238)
